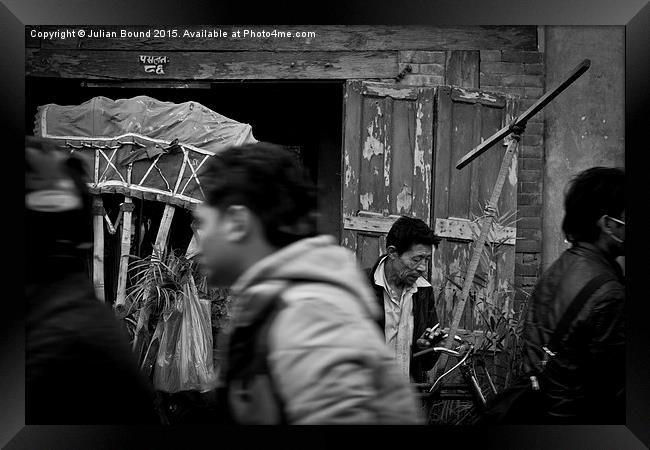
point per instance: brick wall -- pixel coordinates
(521, 74)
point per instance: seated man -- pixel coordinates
(404, 296)
(303, 347)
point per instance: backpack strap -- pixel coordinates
(248, 347)
(262, 353)
(574, 308)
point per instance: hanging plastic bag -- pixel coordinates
(184, 360)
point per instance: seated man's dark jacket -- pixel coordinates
(585, 381)
(424, 316)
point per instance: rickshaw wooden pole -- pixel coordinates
(163, 230)
(98, 247)
(127, 210)
(141, 330)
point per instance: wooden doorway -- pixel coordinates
(401, 145)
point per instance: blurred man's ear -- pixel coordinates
(239, 223)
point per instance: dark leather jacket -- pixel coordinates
(424, 316)
(79, 367)
(585, 382)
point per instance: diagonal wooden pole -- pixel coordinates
(486, 225)
(516, 128)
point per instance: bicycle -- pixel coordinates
(471, 390)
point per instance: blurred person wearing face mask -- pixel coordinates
(404, 296)
(584, 379)
(79, 367)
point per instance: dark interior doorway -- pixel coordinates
(304, 115)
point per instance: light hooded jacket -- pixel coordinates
(324, 359)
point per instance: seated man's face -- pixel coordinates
(413, 263)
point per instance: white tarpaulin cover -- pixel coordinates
(141, 146)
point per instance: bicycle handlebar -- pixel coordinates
(459, 352)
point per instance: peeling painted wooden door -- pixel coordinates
(465, 117)
(387, 157)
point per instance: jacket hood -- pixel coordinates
(313, 260)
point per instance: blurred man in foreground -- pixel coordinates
(303, 346)
(79, 367)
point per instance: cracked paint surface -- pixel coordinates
(476, 95)
(404, 199)
(366, 200)
(372, 146)
(348, 169)
(512, 171)
(418, 155)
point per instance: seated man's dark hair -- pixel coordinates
(409, 231)
(591, 194)
(270, 181)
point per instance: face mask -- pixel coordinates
(620, 241)
(616, 238)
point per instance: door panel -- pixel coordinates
(387, 159)
(465, 117)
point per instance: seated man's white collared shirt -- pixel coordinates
(398, 312)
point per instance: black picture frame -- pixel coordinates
(633, 14)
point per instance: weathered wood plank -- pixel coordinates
(467, 230)
(477, 168)
(462, 68)
(327, 37)
(442, 153)
(373, 130)
(387, 120)
(147, 84)
(462, 140)
(394, 91)
(472, 96)
(349, 240)
(423, 155)
(351, 148)
(374, 223)
(402, 155)
(369, 249)
(94, 65)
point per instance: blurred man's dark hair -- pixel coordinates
(409, 231)
(591, 194)
(269, 180)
